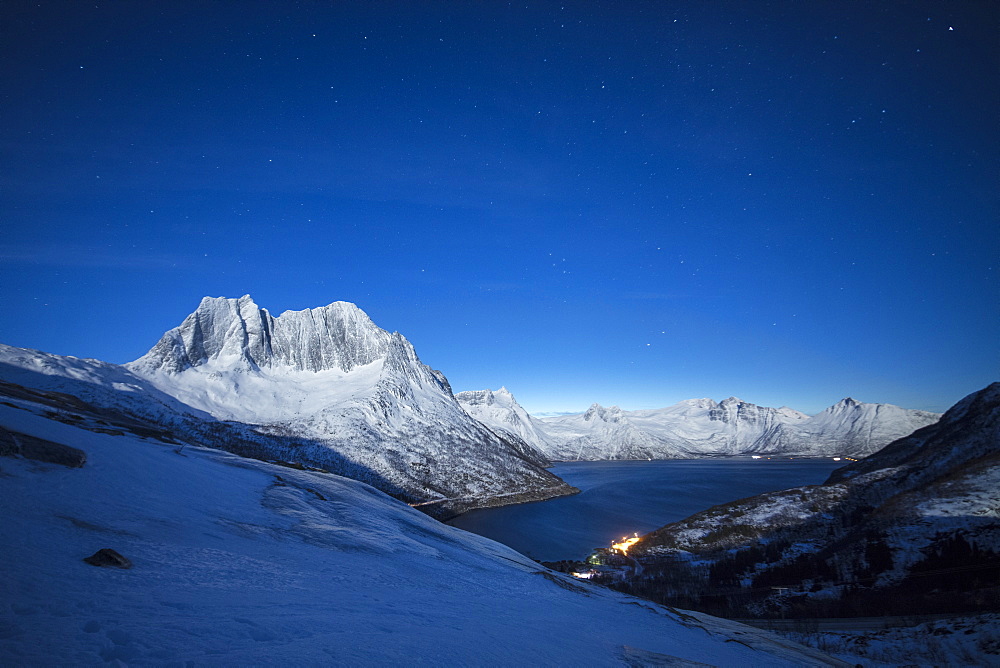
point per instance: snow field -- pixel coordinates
(238, 562)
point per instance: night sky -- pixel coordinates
(632, 203)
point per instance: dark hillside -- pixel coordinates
(913, 528)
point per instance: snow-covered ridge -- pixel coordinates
(703, 427)
(325, 387)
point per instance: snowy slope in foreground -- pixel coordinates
(699, 428)
(239, 562)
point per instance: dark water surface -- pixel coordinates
(618, 498)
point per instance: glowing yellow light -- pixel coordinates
(626, 543)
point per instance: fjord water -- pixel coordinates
(618, 498)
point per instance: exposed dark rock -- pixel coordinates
(14, 443)
(73, 410)
(109, 432)
(108, 558)
(8, 446)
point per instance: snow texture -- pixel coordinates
(500, 412)
(240, 562)
(699, 428)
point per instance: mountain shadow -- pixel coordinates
(156, 418)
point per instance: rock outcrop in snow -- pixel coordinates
(323, 387)
(700, 428)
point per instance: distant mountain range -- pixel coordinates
(327, 388)
(698, 428)
(915, 526)
(323, 387)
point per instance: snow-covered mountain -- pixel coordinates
(500, 411)
(915, 526)
(852, 428)
(238, 562)
(700, 428)
(604, 433)
(693, 428)
(322, 387)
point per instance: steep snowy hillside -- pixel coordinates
(702, 427)
(233, 561)
(322, 387)
(914, 527)
(852, 428)
(500, 412)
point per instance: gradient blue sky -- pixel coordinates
(632, 203)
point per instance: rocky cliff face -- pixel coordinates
(323, 387)
(239, 334)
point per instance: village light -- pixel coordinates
(626, 543)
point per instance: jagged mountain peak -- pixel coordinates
(323, 387)
(233, 359)
(486, 397)
(849, 406)
(932, 447)
(500, 411)
(607, 414)
(237, 333)
(846, 403)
